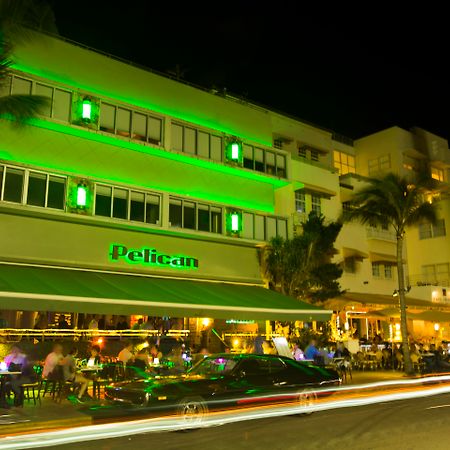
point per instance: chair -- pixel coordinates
(32, 391)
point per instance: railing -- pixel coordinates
(384, 235)
(17, 334)
(429, 280)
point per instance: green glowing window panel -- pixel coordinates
(81, 197)
(234, 222)
(234, 152)
(86, 113)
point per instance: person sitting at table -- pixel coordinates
(52, 360)
(125, 355)
(95, 358)
(155, 354)
(15, 357)
(341, 351)
(311, 351)
(141, 360)
(27, 375)
(297, 352)
(69, 365)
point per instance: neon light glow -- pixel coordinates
(81, 196)
(235, 222)
(87, 110)
(151, 257)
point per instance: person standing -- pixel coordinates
(52, 360)
(297, 352)
(125, 355)
(311, 351)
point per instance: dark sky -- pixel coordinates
(353, 73)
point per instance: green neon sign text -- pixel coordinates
(151, 257)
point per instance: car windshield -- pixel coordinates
(213, 366)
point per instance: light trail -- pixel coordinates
(129, 428)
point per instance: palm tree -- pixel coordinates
(16, 19)
(400, 203)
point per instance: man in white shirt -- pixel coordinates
(125, 355)
(53, 359)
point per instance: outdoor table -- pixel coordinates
(3, 375)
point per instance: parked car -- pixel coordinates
(224, 380)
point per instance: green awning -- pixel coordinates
(66, 290)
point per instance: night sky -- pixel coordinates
(353, 74)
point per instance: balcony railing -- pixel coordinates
(429, 280)
(383, 235)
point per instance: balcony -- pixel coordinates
(429, 280)
(382, 235)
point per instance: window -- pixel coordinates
(427, 230)
(388, 272)
(282, 228)
(281, 166)
(259, 228)
(120, 203)
(270, 163)
(45, 91)
(271, 228)
(300, 201)
(46, 190)
(380, 164)
(350, 265)
(344, 162)
(103, 197)
(126, 204)
(13, 185)
(196, 142)
(259, 159)
(62, 101)
(376, 272)
(195, 216)
(130, 123)
(278, 143)
(302, 152)
(316, 204)
(248, 157)
(314, 155)
(437, 174)
(21, 86)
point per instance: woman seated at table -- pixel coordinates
(27, 375)
(95, 358)
(69, 365)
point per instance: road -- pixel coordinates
(421, 423)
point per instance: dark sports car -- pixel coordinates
(224, 380)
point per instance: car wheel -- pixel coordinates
(193, 410)
(306, 398)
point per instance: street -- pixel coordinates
(420, 423)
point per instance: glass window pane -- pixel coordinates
(12, 191)
(45, 91)
(5, 87)
(216, 148)
(56, 196)
(139, 126)
(37, 185)
(103, 197)
(336, 156)
(259, 228)
(259, 159)
(107, 117)
(152, 209)
(137, 206)
(175, 213)
(189, 140)
(203, 217)
(120, 203)
(282, 228)
(177, 137)
(123, 121)
(344, 159)
(189, 215)
(216, 219)
(21, 86)
(351, 161)
(247, 225)
(61, 105)
(154, 130)
(281, 166)
(248, 156)
(271, 227)
(203, 144)
(270, 163)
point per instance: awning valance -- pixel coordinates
(353, 253)
(57, 289)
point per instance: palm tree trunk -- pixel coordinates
(401, 294)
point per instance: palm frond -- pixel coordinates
(23, 107)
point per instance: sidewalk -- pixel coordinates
(51, 415)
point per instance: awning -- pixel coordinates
(433, 316)
(353, 253)
(324, 192)
(383, 258)
(350, 298)
(55, 289)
